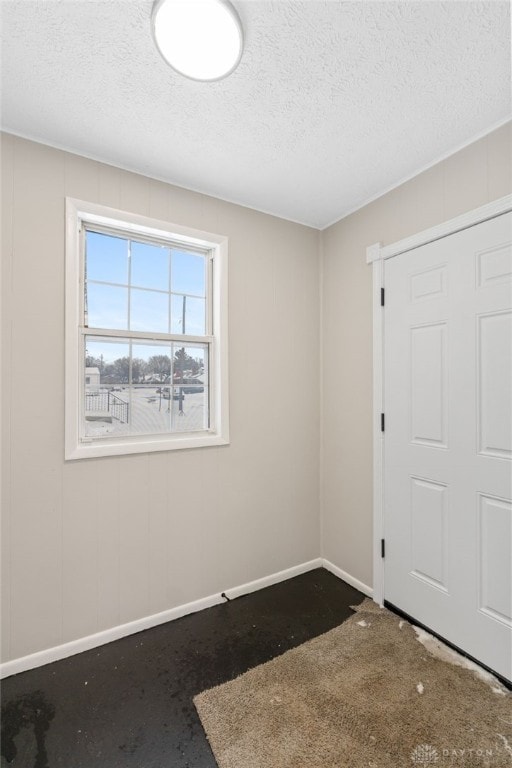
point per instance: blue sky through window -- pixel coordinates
(144, 303)
(188, 273)
(107, 306)
(107, 258)
(194, 315)
(150, 266)
(149, 311)
(110, 350)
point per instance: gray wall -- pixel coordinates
(95, 543)
(91, 544)
(470, 178)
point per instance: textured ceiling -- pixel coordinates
(332, 104)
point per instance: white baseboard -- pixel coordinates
(274, 578)
(40, 658)
(344, 576)
(49, 655)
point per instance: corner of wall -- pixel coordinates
(320, 250)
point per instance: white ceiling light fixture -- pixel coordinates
(201, 39)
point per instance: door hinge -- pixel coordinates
(382, 297)
(382, 548)
(382, 422)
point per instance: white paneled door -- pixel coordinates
(448, 438)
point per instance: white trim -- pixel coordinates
(78, 211)
(49, 655)
(347, 578)
(104, 216)
(404, 179)
(375, 255)
(145, 444)
(378, 435)
(465, 220)
(65, 650)
(153, 336)
(274, 578)
(73, 288)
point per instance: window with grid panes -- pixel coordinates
(147, 343)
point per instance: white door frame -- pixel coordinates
(375, 255)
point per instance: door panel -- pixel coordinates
(495, 518)
(495, 384)
(428, 284)
(429, 532)
(448, 439)
(428, 385)
(494, 266)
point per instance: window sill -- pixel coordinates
(146, 444)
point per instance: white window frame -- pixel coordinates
(80, 213)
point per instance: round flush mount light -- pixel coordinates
(201, 39)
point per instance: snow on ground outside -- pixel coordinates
(150, 414)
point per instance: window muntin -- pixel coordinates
(119, 307)
(135, 285)
(143, 387)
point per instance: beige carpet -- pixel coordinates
(371, 693)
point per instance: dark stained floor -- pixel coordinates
(128, 704)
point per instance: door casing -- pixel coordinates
(375, 255)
